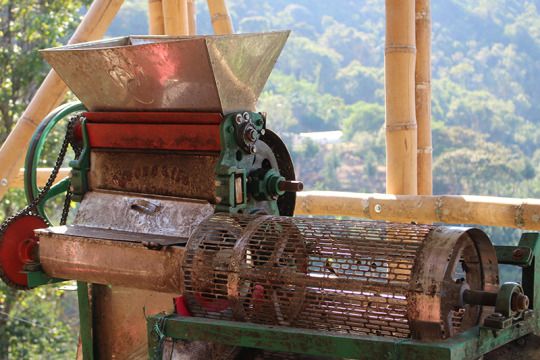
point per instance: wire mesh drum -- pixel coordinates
(372, 278)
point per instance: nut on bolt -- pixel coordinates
(519, 254)
(238, 118)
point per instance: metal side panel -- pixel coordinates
(133, 260)
(160, 173)
(144, 214)
(118, 321)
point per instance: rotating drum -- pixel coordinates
(371, 278)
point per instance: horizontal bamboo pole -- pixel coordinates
(221, 19)
(42, 175)
(50, 94)
(449, 209)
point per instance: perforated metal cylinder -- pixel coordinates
(374, 278)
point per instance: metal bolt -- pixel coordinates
(290, 185)
(520, 302)
(253, 149)
(246, 116)
(378, 208)
(230, 129)
(518, 254)
(263, 131)
(4, 182)
(253, 135)
(238, 118)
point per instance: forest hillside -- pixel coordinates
(330, 76)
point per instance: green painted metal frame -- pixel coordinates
(470, 344)
(85, 316)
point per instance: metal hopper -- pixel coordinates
(169, 73)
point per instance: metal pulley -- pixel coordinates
(396, 280)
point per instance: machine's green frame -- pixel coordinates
(470, 344)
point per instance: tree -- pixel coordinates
(25, 27)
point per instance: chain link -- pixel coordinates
(31, 209)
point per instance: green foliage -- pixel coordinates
(363, 117)
(38, 324)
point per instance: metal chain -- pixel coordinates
(31, 209)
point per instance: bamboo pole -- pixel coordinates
(192, 17)
(50, 94)
(221, 19)
(175, 17)
(155, 18)
(42, 175)
(401, 137)
(423, 97)
(449, 209)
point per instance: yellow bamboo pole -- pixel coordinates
(42, 175)
(50, 94)
(450, 209)
(221, 19)
(175, 17)
(423, 97)
(155, 17)
(401, 137)
(192, 17)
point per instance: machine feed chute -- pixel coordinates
(383, 279)
(221, 74)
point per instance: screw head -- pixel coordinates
(378, 208)
(4, 182)
(246, 116)
(518, 254)
(238, 118)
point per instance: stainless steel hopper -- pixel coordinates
(210, 73)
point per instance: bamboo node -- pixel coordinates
(423, 16)
(400, 127)
(26, 119)
(438, 209)
(218, 17)
(425, 150)
(400, 48)
(423, 85)
(519, 216)
(365, 206)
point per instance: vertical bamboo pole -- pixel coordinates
(155, 17)
(423, 97)
(175, 17)
(192, 17)
(401, 137)
(50, 94)
(221, 19)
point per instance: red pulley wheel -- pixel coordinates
(16, 249)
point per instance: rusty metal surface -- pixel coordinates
(118, 322)
(202, 73)
(159, 173)
(153, 215)
(131, 262)
(155, 136)
(348, 276)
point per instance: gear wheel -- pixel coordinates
(17, 243)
